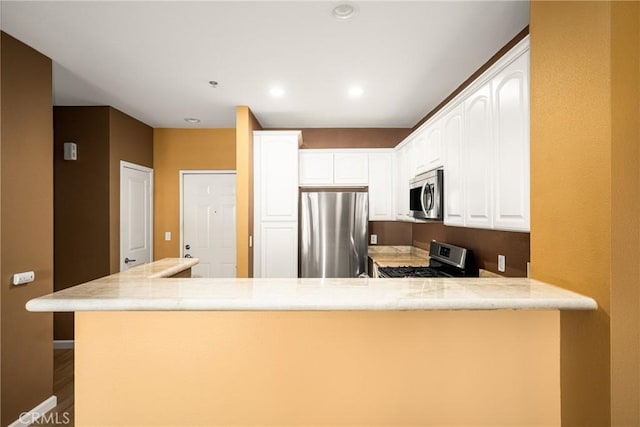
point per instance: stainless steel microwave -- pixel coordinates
(425, 195)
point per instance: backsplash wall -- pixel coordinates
(486, 245)
(391, 233)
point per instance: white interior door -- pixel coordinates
(209, 222)
(136, 215)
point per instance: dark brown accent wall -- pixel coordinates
(87, 194)
(132, 141)
(486, 245)
(506, 48)
(81, 202)
(26, 227)
(352, 137)
(394, 233)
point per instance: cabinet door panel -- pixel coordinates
(278, 179)
(418, 160)
(380, 187)
(453, 125)
(351, 168)
(279, 252)
(511, 121)
(478, 159)
(433, 149)
(402, 184)
(316, 168)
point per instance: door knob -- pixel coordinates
(127, 260)
(188, 256)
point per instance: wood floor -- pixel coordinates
(61, 415)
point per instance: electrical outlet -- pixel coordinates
(167, 235)
(501, 263)
(374, 239)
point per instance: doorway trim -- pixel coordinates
(182, 174)
(139, 168)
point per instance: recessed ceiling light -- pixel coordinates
(344, 11)
(192, 120)
(355, 92)
(276, 92)
(213, 83)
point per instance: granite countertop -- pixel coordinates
(399, 256)
(144, 288)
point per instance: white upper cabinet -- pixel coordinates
(381, 186)
(278, 166)
(402, 177)
(479, 159)
(341, 167)
(350, 168)
(353, 168)
(418, 149)
(454, 172)
(486, 149)
(433, 146)
(316, 167)
(511, 146)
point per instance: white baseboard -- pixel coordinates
(63, 344)
(29, 417)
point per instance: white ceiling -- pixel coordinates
(153, 59)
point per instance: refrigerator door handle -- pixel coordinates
(354, 247)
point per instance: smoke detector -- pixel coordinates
(344, 11)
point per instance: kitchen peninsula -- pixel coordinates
(156, 349)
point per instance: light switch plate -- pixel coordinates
(501, 263)
(167, 235)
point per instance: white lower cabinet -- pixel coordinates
(381, 186)
(275, 239)
(279, 249)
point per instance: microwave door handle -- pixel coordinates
(424, 209)
(432, 188)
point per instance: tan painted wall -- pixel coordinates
(132, 141)
(584, 198)
(246, 123)
(625, 211)
(183, 149)
(418, 368)
(26, 224)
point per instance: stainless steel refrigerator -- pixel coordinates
(333, 233)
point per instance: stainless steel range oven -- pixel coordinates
(444, 261)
